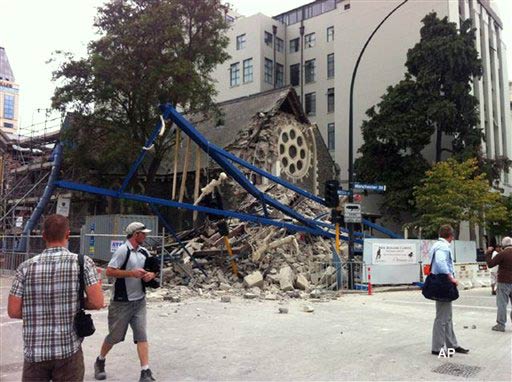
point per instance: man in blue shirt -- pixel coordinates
(442, 333)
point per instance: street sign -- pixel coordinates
(352, 213)
(344, 192)
(370, 187)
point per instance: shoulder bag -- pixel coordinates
(84, 326)
(439, 287)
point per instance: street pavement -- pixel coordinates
(384, 337)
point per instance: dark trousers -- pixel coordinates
(66, 370)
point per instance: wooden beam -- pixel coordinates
(185, 170)
(176, 156)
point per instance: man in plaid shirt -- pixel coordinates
(45, 295)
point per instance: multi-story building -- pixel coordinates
(8, 96)
(314, 48)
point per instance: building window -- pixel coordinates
(295, 74)
(330, 34)
(8, 106)
(330, 100)
(279, 75)
(310, 104)
(248, 70)
(240, 42)
(330, 65)
(268, 71)
(268, 38)
(8, 125)
(309, 40)
(279, 45)
(294, 45)
(309, 68)
(234, 77)
(330, 136)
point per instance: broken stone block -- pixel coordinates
(308, 309)
(302, 282)
(315, 294)
(255, 279)
(225, 299)
(250, 296)
(283, 310)
(224, 286)
(294, 294)
(270, 296)
(286, 279)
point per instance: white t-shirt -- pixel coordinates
(137, 259)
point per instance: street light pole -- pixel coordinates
(351, 138)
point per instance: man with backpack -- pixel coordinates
(128, 304)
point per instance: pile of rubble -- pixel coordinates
(268, 262)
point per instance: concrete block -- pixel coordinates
(302, 282)
(286, 278)
(255, 279)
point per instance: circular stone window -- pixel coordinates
(294, 153)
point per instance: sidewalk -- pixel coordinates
(357, 337)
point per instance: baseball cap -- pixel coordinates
(136, 227)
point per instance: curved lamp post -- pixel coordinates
(351, 132)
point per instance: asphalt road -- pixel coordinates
(383, 337)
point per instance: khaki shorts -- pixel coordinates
(120, 315)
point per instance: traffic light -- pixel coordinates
(331, 193)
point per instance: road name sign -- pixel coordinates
(370, 187)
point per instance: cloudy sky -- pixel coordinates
(31, 30)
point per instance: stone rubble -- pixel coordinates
(273, 263)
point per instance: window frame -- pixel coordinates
(310, 40)
(246, 68)
(241, 43)
(330, 66)
(279, 75)
(296, 44)
(331, 100)
(331, 136)
(297, 72)
(268, 71)
(234, 75)
(312, 103)
(268, 38)
(330, 36)
(309, 71)
(9, 106)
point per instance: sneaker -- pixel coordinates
(99, 369)
(498, 328)
(146, 376)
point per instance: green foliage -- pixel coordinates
(432, 100)
(149, 51)
(453, 192)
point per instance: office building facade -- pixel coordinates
(8, 96)
(314, 48)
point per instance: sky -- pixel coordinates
(31, 30)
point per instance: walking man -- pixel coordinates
(128, 305)
(504, 290)
(45, 296)
(442, 333)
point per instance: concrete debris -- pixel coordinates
(286, 279)
(273, 263)
(302, 282)
(255, 279)
(283, 310)
(308, 309)
(225, 299)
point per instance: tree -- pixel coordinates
(444, 63)
(149, 51)
(452, 192)
(434, 98)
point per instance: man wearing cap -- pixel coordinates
(504, 290)
(128, 303)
